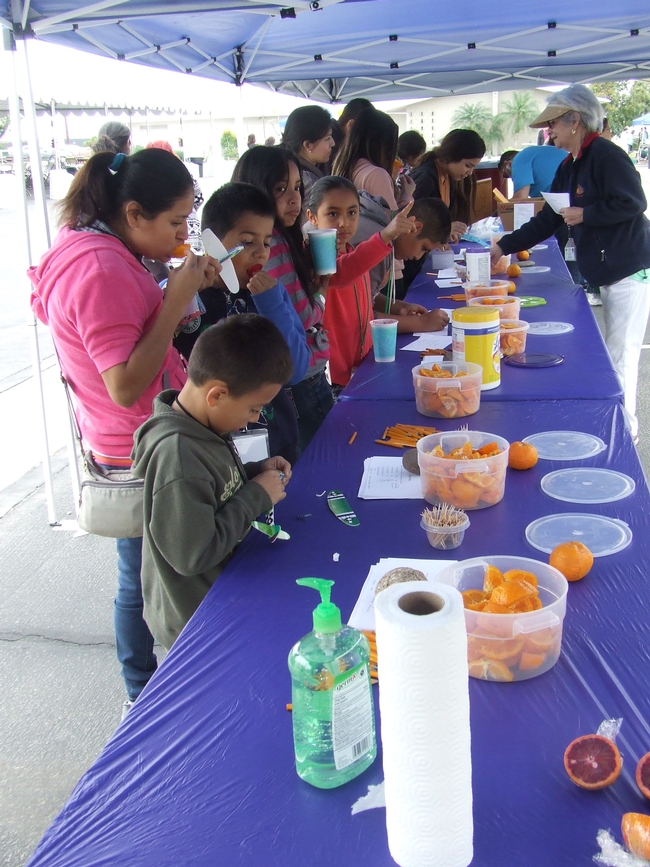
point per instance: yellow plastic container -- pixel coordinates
(475, 337)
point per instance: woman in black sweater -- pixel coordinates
(609, 233)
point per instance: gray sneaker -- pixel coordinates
(594, 299)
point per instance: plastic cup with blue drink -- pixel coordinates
(384, 338)
(322, 243)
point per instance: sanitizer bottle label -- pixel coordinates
(351, 716)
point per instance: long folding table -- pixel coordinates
(585, 374)
(201, 771)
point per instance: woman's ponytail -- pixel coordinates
(154, 178)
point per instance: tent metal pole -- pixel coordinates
(19, 172)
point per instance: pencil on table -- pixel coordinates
(352, 438)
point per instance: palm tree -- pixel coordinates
(519, 112)
(495, 133)
(473, 115)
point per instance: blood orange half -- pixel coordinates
(643, 774)
(592, 761)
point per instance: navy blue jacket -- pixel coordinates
(613, 241)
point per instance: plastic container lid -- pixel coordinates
(550, 327)
(534, 359)
(540, 247)
(565, 445)
(475, 314)
(602, 535)
(535, 269)
(587, 485)
(531, 300)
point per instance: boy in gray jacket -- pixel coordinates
(199, 500)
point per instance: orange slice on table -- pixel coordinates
(635, 828)
(592, 761)
(643, 775)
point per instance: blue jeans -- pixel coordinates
(132, 637)
(313, 399)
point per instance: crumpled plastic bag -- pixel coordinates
(612, 854)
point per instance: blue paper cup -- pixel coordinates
(322, 243)
(384, 338)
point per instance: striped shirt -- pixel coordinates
(280, 266)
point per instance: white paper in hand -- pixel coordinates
(557, 200)
(213, 247)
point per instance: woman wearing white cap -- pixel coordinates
(609, 235)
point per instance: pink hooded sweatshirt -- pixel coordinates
(98, 301)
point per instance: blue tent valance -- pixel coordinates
(333, 50)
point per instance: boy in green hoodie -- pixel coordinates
(199, 500)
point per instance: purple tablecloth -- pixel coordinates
(586, 374)
(201, 772)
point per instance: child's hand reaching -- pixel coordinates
(401, 224)
(457, 231)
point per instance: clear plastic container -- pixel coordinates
(464, 483)
(448, 396)
(445, 538)
(486, 288)
(508, 308)
(513, 337)
(511, 647)
(441, 259)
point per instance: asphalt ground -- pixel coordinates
(59, 680)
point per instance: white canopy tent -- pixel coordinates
(334, 50)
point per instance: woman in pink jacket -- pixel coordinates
(113, 328)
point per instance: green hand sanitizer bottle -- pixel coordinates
(333, 714)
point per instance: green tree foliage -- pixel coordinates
(4, 123)
(229, 146)
(519, 112)
(478, 117)
(627, 100)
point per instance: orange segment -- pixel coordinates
(530, 661)
(471, 597)
(520, 575)
(493, 577)
(635, 828)
(490, 669)
(511, 592)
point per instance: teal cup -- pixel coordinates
(322, 243)
(384, 339)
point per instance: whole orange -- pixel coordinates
(636, 833)
(511, 288)
(522, 255)
(572, 559)
(522, 456)
(513, 271)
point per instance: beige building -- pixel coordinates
(432, 118)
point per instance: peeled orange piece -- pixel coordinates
(520, 575)
(472, 597)
(492, 579)
(636, 834)
(490, 669)
(592, 761)
(511, 592)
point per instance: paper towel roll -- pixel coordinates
(424, 706)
